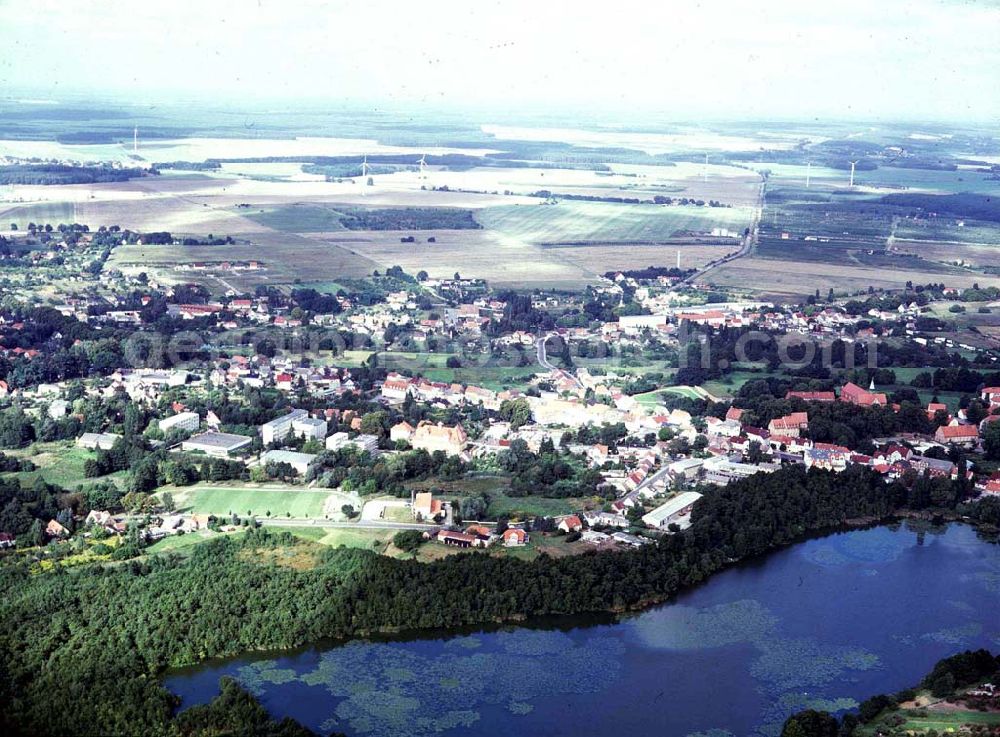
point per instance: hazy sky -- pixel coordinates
(732, 58)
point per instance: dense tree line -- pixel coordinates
(65, 174)
(408, 218)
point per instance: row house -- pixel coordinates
(966, 435)
(791, 425)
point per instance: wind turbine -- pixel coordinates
(135, 140)
(851, 185)
(704, 171)
(808, 172)
(423, 165)
(365, 168)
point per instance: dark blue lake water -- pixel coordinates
(823, 624)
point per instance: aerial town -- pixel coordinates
(453, 369)
(576, 439)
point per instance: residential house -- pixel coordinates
(957, 435)
(97, 440)
(514, 537)
(431, 437)
(570, 523)
(401, 431)
(425, 507)
(54, 529)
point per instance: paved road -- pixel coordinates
(648, 481)
(544, 361)
(746, 248)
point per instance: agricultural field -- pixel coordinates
(797, 278)
(298, 218)
(600, 258)
(600, 222)
(296, 502)
(43, 212)
(283, 260)
(504, 262)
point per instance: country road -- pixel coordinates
(746, 248)
(543, 359)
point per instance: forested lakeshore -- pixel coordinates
(82, 650)
(888, 713)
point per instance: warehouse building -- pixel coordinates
(216, 444)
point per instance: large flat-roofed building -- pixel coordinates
(217, 444)
(362, 442)
(181, 421)
(676, 510)
(299, 461)
(309, 428)
(279, 427)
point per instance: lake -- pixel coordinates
(823, 624)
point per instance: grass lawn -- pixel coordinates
(952, 399)
(326, 287)
(335, 537)
(650, 399)
(60, 463)
(467, 486)
(920, 721)
(733, 382)
(412, 361)
(496, 378)
(221, 500)
(479, 370)
(179, 542)
(529, 506)
(906, 374)
(682, 391)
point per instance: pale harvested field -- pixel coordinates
(200, 149)
(601, 258)
(968, 253)
(511, 262)
(193, 203)
(727, 184)
(653, 143)
(285, 258)
(472, 253)
(800, 278)
(586, 222)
